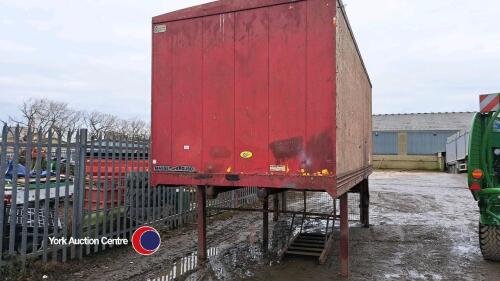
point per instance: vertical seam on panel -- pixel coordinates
(153, 92)
(202, 93)
(268, 87)
(172, 101)
(334, 80)
(306, 92)
(234, 92)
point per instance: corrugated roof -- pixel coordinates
(439, 121)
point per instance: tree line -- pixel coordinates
(47, 115)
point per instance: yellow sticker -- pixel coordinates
(246, 154)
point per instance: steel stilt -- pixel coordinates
(365, 203)
(265, 225)
(201, 223)
(276, 207)
(344, 236)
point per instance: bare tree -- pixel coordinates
(99, 124)
(147, 130)
(54, 116)
(75, 121)
(136, 128)
(48, 115)
(31, 110)
(130, 128)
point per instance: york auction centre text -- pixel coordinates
(88, 241)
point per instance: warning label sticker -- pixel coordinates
(277, 168)
(160, 28)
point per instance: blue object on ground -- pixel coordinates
(21, 170)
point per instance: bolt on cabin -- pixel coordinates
(268, 93)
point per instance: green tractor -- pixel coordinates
(484, 173)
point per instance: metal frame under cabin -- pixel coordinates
(301, 243)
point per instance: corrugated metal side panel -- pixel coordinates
(451, 148)
(462, 145)
(427, 143)
(467, 138)
(354, 145)
(385, 143)
(457, 146)
(451, 151)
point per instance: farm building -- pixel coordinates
(415, 141)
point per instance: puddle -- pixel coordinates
(242, 260)
(184, 266)
(223, 264)
(236, 261)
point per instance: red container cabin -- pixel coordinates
(267, 93)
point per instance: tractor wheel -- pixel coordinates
(489, 240)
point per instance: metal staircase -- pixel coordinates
(313, 244)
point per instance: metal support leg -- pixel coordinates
(276, 207)
(201, 222)
(265, 224)
(364, 203)
(283, 201)
(344, 236)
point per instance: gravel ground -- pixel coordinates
(423, 227)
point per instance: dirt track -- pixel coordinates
(423, 227)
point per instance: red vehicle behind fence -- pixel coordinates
(107, 178)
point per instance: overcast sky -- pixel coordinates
(422, 56)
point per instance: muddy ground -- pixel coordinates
(423, 227)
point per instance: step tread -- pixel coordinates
(312, 237)
(308, 245)
(305, 249)
(309, 241)
(313, 234)
(302, 253)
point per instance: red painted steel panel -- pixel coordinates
(218, 94)
(161, 100)
(259, 80)
(252, 89)
(321, 85)
(287, 86)
(187, 88)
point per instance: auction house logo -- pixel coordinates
(146, 240)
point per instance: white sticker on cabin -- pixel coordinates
(277, 168)
(159, 28)
(187, 147)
